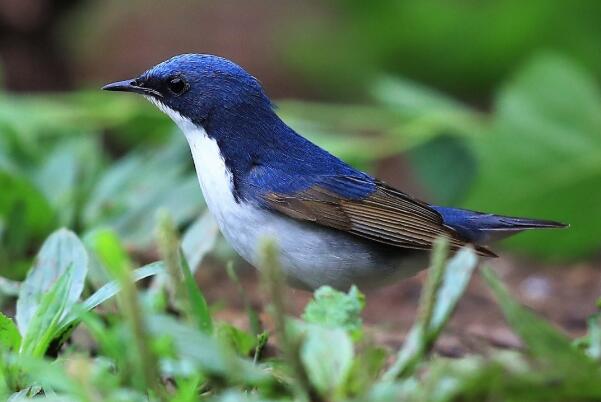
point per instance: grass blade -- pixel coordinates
(445, 285)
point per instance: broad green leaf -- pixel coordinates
(541, 159)
(10, 339)
(331, 308)
(447, 166)
(18, 189)
(60, 253)
(327, 356)
(415, 100)
(44, 325)
(426, 115)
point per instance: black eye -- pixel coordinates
(177, 85)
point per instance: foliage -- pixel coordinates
(55, 172)
(145, 353)
(550, 109)
(463, 47)
(336, 310)
(104, 166)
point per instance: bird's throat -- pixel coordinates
(215, 179)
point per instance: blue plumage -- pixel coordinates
(483, 228)
(336, 225)
(263, 153)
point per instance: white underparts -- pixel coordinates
(310, 255)
(214, 177)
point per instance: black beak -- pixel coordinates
(131, 86)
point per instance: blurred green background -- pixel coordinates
(491, 105)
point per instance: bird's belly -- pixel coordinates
(310, 255)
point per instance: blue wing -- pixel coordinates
(358, 204)
(326, 191)
(483, 228)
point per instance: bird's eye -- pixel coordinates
(177, 85)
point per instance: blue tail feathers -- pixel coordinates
(482, 228)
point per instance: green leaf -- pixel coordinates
(445, 286)
(456, 277)
(205, 352)
(127, 200)
(8, 287)
(186, 295)
(66, 175)
(18, 189)
(541, 158)
(10, 339)
(109, 290)
(26, 218)
(60, 253)
(448, 186)
(594, 337)
(112, 254)
(199, 239)
(367, 366)
(240, 341)
(254, 321)
(327, 356)
(198, 304)
(44, 325)
(331, 308)
(552, 350)
(112, 288)
(415, 100)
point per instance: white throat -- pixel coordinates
(213, 175)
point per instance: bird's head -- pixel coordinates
(197, 86)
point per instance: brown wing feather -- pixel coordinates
(387, 216)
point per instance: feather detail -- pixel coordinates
(387, 215)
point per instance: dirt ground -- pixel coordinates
(564, 295)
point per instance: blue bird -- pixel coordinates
(334, 224)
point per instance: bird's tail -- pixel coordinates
(482, 228)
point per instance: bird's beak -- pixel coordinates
(131, 86)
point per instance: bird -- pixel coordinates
(333, 224)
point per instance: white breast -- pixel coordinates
(310, 255)
(214, 177)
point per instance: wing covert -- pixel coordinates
(387, 215)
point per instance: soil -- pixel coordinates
(566, 296)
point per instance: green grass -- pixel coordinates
(159, 342)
